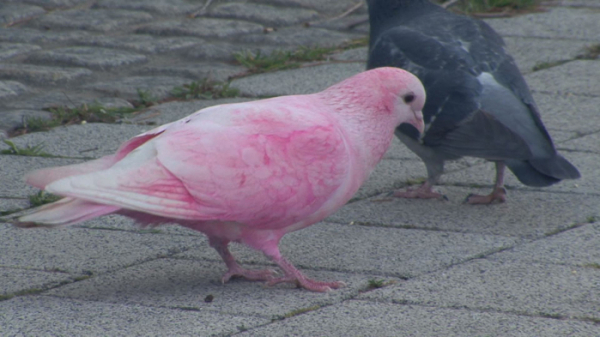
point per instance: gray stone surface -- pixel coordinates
(141, 43)
(10, 89)
(526, 214)
(219, 72)
(13, 119)
(266, 15)
(99, 20)
(13, 13)
(529, 52)
(557, 23)
(186, 283)
(587, 143)
(577, 247)
(163, 7)
(205, 27)
(157, 86)
(8, 50)
(577, 77)
(15, 280)
(448, 269)
(293, 82)
(394, 252)
(42, 75)
(30, 35)
(522, 288)
(300, 37)
(366, 318)
(34, 315)
(88, 57)
(82, 251)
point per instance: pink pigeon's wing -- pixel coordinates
(266, 169)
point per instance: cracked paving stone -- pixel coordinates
(42, 75)
(56, 4)
(91, 57)
(158, 87)
(224, 51)
(53, 99)
(328, 8)
(267, 15)
(142, 43)
(10, 89)
(30, 35)
(215, 71)
(8, 50)
(300, 37)
(163, 7)
(202, 27)
(102, 20)
(13, 119)
(14, 280)
(11, 13)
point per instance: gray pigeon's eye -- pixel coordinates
(409, 98)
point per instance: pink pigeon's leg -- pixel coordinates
(234, 269)
(293, 275)
(424, 191)
(498, 194)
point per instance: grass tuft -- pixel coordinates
(205, 89)
(545, 65)
(590, 53)
(281, 59)
(482, 6)
(42, 198)
(34, 151)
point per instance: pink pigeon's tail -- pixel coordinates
(65, 212)
(41, 178)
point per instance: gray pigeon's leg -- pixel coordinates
(234, 269)
(499, 192)
(435, 168)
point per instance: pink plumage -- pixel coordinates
(247, 172)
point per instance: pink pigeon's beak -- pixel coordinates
(417, 122)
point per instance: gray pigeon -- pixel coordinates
(478, 103)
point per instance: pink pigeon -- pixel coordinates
(247, 172)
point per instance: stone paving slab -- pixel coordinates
(15, 280)
(172, 111)
(207, 27)
(295, 81)
(88, 57)
(37, 74)
(365, 318)
(301, 37)
(11, 89)
(14, 168)
(59, 98)
(394, 252)
(43, 315)
(177, 283)
(526, 214)
(587, 143)
(219, 72)
(163, 7)
(12, 13)
(522, 288)
(8, 204)
(569, 112)
(9, 50)
(267, 15)
(91, 140)
(577, 77)
(529, 52)
(557, 23)
(578, 247)
(97, 20)
(141, 43)
(158, 87)
(30, 35)
(83, 251)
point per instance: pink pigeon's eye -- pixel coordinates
(408, 98)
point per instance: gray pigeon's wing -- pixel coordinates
(453, 116)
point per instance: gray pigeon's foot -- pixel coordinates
(499, 194)
(249, 274)
(424, 191)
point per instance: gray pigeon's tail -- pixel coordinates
(543, 172)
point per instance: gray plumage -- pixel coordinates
(478, 103)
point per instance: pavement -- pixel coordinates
(528, 267)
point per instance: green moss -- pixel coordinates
(205, 89)
(42, 198)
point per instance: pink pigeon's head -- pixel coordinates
(406, 95)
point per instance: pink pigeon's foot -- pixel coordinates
(499, 195)
(293, 275)
(306, 283)
(248, 274)
(424, 191)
